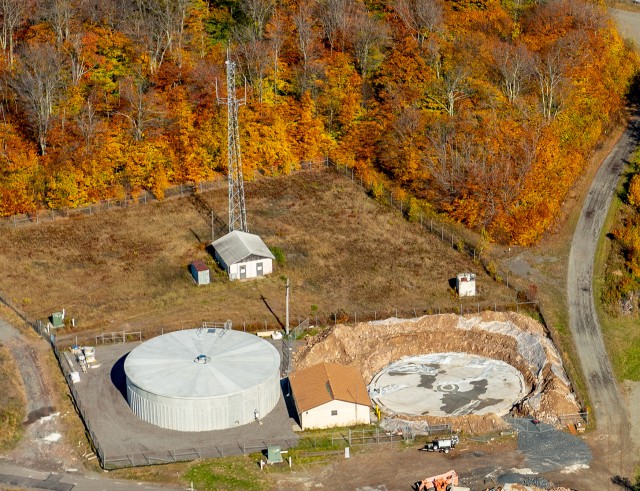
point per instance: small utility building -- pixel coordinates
(330, 394)
(200, 272)
(466, 284)
(243, 255)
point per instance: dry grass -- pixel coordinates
(12, 401)
(127, 269)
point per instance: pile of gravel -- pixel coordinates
(548, 449)
(514, 478)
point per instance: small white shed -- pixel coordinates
(466, 284)
(243, 255)
(200, 272)
(329, 394)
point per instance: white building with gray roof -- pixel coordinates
(243, 255)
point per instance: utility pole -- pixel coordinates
(213, 231)
(237, 211)
(286, 322)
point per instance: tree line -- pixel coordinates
(483, 110)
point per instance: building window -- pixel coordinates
(334, 412)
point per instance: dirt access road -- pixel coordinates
(610, 408)
(36, 463)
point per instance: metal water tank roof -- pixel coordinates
(203, 379)
(232, 362)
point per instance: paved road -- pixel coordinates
(31, 479)
(609, 406)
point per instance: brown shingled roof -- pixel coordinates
(326, 382)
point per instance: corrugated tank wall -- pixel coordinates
(205, 414)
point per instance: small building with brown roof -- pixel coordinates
(200, 272)
(329, 394)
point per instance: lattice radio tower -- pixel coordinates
(237, 211)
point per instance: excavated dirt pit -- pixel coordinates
(392, 354)
(447, 384)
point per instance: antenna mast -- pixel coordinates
(237, 211)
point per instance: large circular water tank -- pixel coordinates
(203, 379)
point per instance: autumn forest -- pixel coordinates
(483, 111)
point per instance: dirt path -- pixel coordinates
(42, 445)
(26, 355)
(609, 406)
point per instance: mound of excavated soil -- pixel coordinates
(515, 339)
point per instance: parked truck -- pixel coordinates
(441, 445)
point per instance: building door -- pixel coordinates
(259, 269)
(243, 271)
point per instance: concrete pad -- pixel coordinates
(447, 384)
(125, 438)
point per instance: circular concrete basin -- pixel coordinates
(447, 384)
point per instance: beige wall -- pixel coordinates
(348, 414)
(267, 268)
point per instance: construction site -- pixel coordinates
(529, 381)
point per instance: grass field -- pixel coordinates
(127, 269)
(12, 401)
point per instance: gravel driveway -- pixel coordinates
(608, 404)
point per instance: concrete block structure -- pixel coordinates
(466, 284)
(329, 394)
(243, 255)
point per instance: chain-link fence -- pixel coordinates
(128, 200)
(44, 216)
(525, 291)
(305, 325)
